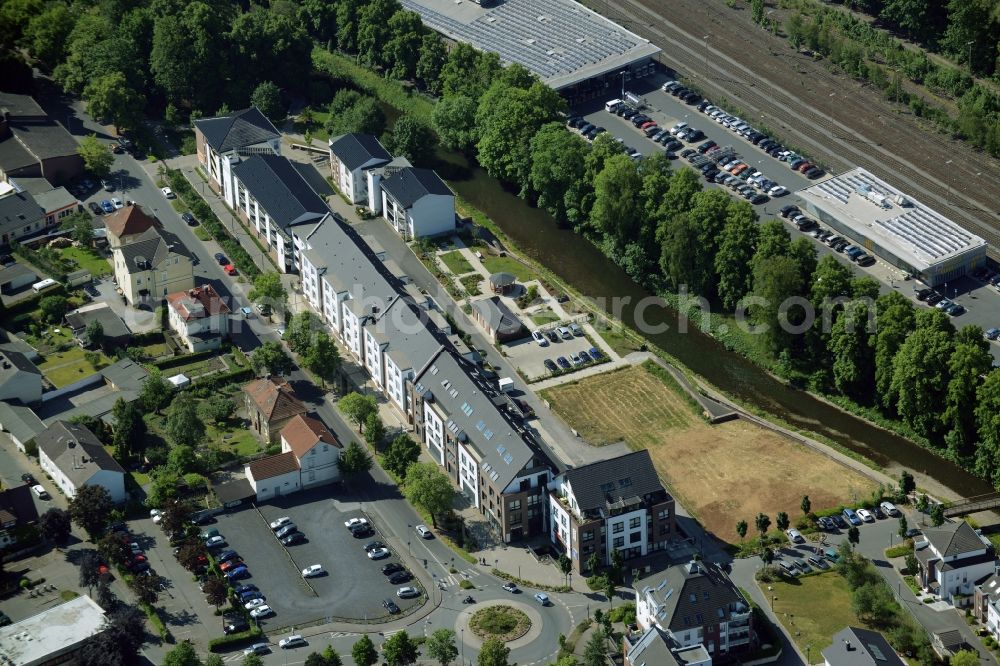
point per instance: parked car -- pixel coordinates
(229, 269)
(293, 641)
(511, 587)
(351, 522)
(424, 532)
(254, 603)
(229, 565)
(94, 208)
(189, 219)
(313, 570)
(215, 542)
(285, 530)
(167, 192)
(221, 259)
(407, 593)
(539, 337)
(550, 365)
(866, 516)
(107, 206)
(379, 554)
(280, 522)
(795, 536)
(293, 538)
(261, 611)
(257, 648)
(390, 606)
(29, 479)
(391, 568)
(400, 577)
(852, 517)
(40, 492)
(563, 362)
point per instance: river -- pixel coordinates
(582, 265)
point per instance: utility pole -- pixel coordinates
(969, 44)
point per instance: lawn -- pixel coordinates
(622, 344)
(197, 368)
(813, 609)
(544, 316)
(237, 440)
(156, 349)
(471, 283)
(509, 265)
(64, 368)
(87, 259)
(456, 263)
(721, 473)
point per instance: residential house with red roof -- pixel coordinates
(200, 317)
(315, 447)
(270, 404)
(274, 476)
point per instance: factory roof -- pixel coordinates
(891, 219)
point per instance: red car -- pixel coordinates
(230, 269)
(230, 564)
(648, 123)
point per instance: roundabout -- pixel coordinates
(515, 623)
(500, 621)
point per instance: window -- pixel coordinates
(663, 514)
(587, 536)
(664, 528)
(635, 537)
(634, 522)
(618, 528)
(515, 505)
(618, 542)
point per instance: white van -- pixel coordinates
(889, 508)
(43, 285)
(612, 105)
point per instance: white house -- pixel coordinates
(852, 646)
(73, 456)
(223, 140)
(20, 380)
(417, 203)
(697, 604)
(200, 317)
(955, 559)
(274, 476)
(351, 156)
(316, 449)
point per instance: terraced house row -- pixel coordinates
(475, 432)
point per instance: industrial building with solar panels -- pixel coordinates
(571, 48)
(895, 227)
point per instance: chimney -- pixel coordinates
(848, 646)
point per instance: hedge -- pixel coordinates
(184, 359)
(220, 644)
(29, 305)
(222, 379)
(240, 258)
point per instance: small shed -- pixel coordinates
(16, 277)
(502, 283)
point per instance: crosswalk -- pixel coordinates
(453, 580)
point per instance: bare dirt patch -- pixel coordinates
(720, 473)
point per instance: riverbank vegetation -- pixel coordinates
(644, 407)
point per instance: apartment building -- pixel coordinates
(151, 265)
(222, 141)
(955, 559)
(351, 157)
(617, 504)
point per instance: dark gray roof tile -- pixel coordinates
(237, 130)
(281, 190)
(605, 482)
(409, 185)
(358, 150)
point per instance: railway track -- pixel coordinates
(840, 145)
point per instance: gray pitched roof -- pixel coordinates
(237, 130)
(75, 450)
(409, 185)
(459, 389)
(651, 649)
(17, 210)
(409, 333)
(358, 150)
(41, 136)
(125, 375)
(954, 539)
(20, 421)
(860, 647)
(14, 156)
(606, 482)
(14, 361)
(113, 325)
(281, 190)
(55, 198)
(344, 261)
(696, 594)
(499, 317)
(152, 246)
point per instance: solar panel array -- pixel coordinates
(549, 37)
(931, 234)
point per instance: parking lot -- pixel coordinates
(529, 356)
(353, 587)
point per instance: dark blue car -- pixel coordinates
(107, 206)
(238, 572)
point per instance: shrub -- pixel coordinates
(466, 584)
(223, 643)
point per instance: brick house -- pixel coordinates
(270, 404)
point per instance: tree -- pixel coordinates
(733, 258)
(89, 562)
(767, 556)
(322, 358)
(252, 660)
(182, 460)
(105, 598)
(964, 658)
(412, 138)
(374, 31)
(454, 121)
(399, 649)
(90, 509)
(805, 505)
(112, 97)
(216, 591)
(184, 427)
(182, 655)
(156, 391)
(300, 331)
(267, 98)
(357, 407)
(493, 653)
(903, 527)
(906, 482)
(781, 520)
(374, 429)
(911, 563)
(896, 319)
(852, 347)
(565, 564)
(363, 116)
(114, 547)
(757, 11)
(47, 33)
(55, 526)
(441, 646)
(557, 171)
(363, 652)
(354, 460)
(405, 42)
(617, 208)
(119, 643)
(129, 431)
(78, 223)
(468, 72)
(937, 514)
(596, 651)
(763, 523)
(854, 535)
(968, 364)
(430, 488)
(775, 281)
(53, 307)
(190, 554)
(920, 375)
(270, 359)
(593, 563)
(268, 291)
(401, 453)
(430, 60)
(609, 589)
(95, 333)
(741, 529)
(218, 408)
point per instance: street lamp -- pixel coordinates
(808, 648)
(622, 73)
(463, 646)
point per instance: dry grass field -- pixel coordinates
(721, 473)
